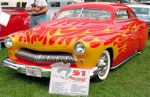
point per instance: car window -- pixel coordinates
(69, 13)
(100, 14)
(132, 14)
(121, 15)
(95, 14)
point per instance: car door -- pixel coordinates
(140, 33)
(127, 44)
(135, 31)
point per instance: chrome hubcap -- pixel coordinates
(103, 64)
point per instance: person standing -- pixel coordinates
(37, 9)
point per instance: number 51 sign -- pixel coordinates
(70, 81)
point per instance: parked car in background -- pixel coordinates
(19, 20)
(95, 36)
(9, 4)
(142, 11)
(147, 2)
(55, 5)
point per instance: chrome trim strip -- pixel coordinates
(118, 65)
(14, 65)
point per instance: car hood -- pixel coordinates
(63, 31)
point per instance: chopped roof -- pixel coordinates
(105, 5)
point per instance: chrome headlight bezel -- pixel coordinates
(8, 42)
(79, 48)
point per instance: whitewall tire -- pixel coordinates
(103, 66)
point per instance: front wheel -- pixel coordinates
(103, 66)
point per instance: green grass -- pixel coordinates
(130, 80)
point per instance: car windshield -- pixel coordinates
(144, 11)
(101, 14)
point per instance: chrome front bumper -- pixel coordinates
(45, 72)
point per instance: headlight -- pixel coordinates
(79, 48)
(8, 42)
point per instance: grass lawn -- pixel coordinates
(130, 80)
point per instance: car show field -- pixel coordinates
(92, 49)
(131, 80)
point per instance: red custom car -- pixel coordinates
(19, 20)
(96, 36)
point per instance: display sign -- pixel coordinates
(69, 81)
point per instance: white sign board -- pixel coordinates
(69, 81)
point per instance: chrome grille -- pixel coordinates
(38, 56)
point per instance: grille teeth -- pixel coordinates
(37, 56)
